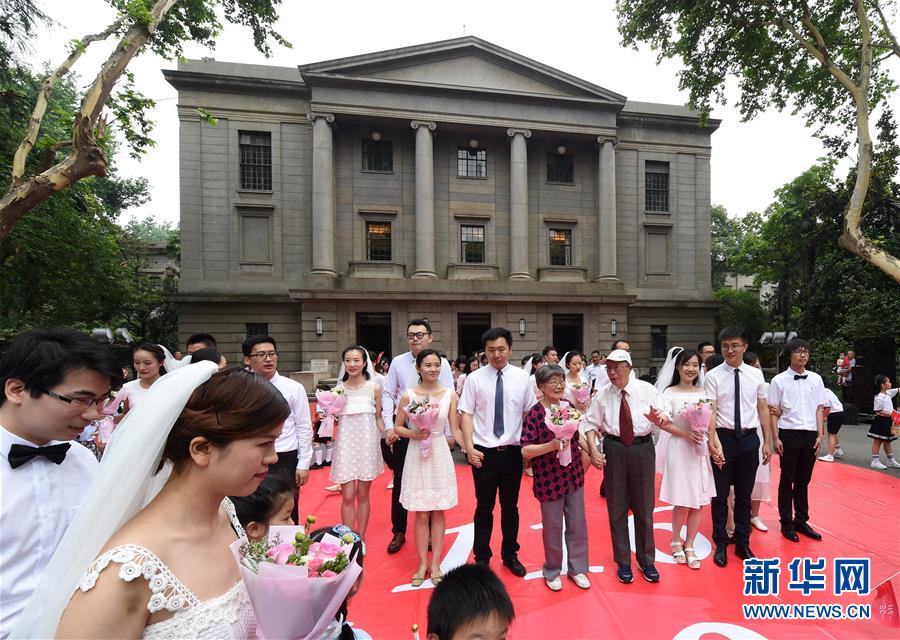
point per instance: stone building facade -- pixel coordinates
(456, 181)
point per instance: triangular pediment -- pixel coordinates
(463, 62)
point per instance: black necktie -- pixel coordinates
(799, 377)
(19, 454)
(498, 406)
(737, 400)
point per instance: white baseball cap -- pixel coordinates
(620, 355)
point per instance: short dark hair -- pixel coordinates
(206, 354)
(495, 333)
(201, 338)
(42, 359)
(571, 355)
(467, 593)
(750, 357)
(701, 345)
(595, 351)
(265, 502)
(424, 353)
(421, 322)
(615, 344)
(730, 333)
(362, 350)
(547, 350)
(796, 343)
(252, 341)
(880, 379)
(714, 361)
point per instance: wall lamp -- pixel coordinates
(320, 326)
(521, 326)
(612, 327)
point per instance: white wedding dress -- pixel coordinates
(228, 616)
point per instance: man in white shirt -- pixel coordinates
(494, 401)
(294, 445)
(52, 384)
(705, 349)
(595, 368)
(739, 393)
(625, 412)
(797, 399)
(402, 376)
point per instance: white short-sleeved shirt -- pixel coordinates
(798, 398)
(606, 405)
(719, 386)
(883, 401)
(297, 432)
(832, 401)
(478, 401)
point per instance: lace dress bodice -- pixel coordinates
(228, 616)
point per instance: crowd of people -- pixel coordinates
(217, 454)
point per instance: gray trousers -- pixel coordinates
(570, 507)
(629, 473)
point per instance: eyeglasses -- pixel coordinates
(733, 347)
(265, 355)
(556, 383)
(79, 402)
(416, 336)
(801, 352)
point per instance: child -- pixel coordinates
(470, 602)
(357, 443)
(880, 431)
(834, 414)
(271, 504)
(356, 555)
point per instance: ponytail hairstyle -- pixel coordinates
(424, 354)
(156, 351)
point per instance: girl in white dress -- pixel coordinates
(429, 482)
(168, 572)
(573, 363)
(357, 442)
(148, 360)
(687, 479)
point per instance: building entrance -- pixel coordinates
(373, 331)
(568, 332)
(470, 327)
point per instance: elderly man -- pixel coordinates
(625, 412)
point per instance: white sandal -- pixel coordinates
(678, 554)
(692, 560)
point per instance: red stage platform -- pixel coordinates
(854, 509)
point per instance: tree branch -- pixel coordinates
(895, 46)
(43, 97)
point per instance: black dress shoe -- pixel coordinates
(720, 557)
(516, 567)
(743, 552)
(396, 542)
(790, 534)
(649, 572)
(624, 574)
(807, 530)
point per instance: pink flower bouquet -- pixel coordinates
(563, 422)
(581, 393)
(423, 414)
(697, 415)
(296, 587)
(330, 403)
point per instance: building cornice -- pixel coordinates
(193, 80)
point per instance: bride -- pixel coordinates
(165, 570)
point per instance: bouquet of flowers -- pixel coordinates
(895, 423)
(697, 415)
(296, 587)
(563, 422)
(423, 414)
(329, 403)
(581, 392)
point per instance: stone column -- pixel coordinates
(606, 209)
(322, 194)
(519, 268)
(424, 199)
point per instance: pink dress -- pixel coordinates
(429, 483)
(687, 479)
(357, 446)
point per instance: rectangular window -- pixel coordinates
(256, 238)
(255, 160)
(656, 186)
(659, 342)
(561, 247)
(560, 168)
(378, 241)
(257, 329)
(471, 163)
(378, 155)
(471, 243)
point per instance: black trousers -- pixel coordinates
(500, 472)
(630, 475)
(797, 463)
(395, 456)
(741, 460)
(287, 465)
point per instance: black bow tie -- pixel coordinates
(797, 376)
(19, 454)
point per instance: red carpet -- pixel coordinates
(854, 509)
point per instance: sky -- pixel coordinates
(749, 159)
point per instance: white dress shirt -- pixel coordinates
(604, 409)
(38, 500)
(402, 376)
(798, 399)
(478, 401)
(595, 371)
(719, 386)
(832, 401)
(297, 432)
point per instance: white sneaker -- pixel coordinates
(826, 458)
(877, 464)
(757, 522)
(555, 584)
(838, 453)
(581, 580)
(893, 464)
(390, 484)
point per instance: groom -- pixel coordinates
(52, 383)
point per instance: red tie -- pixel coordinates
(626, 426)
